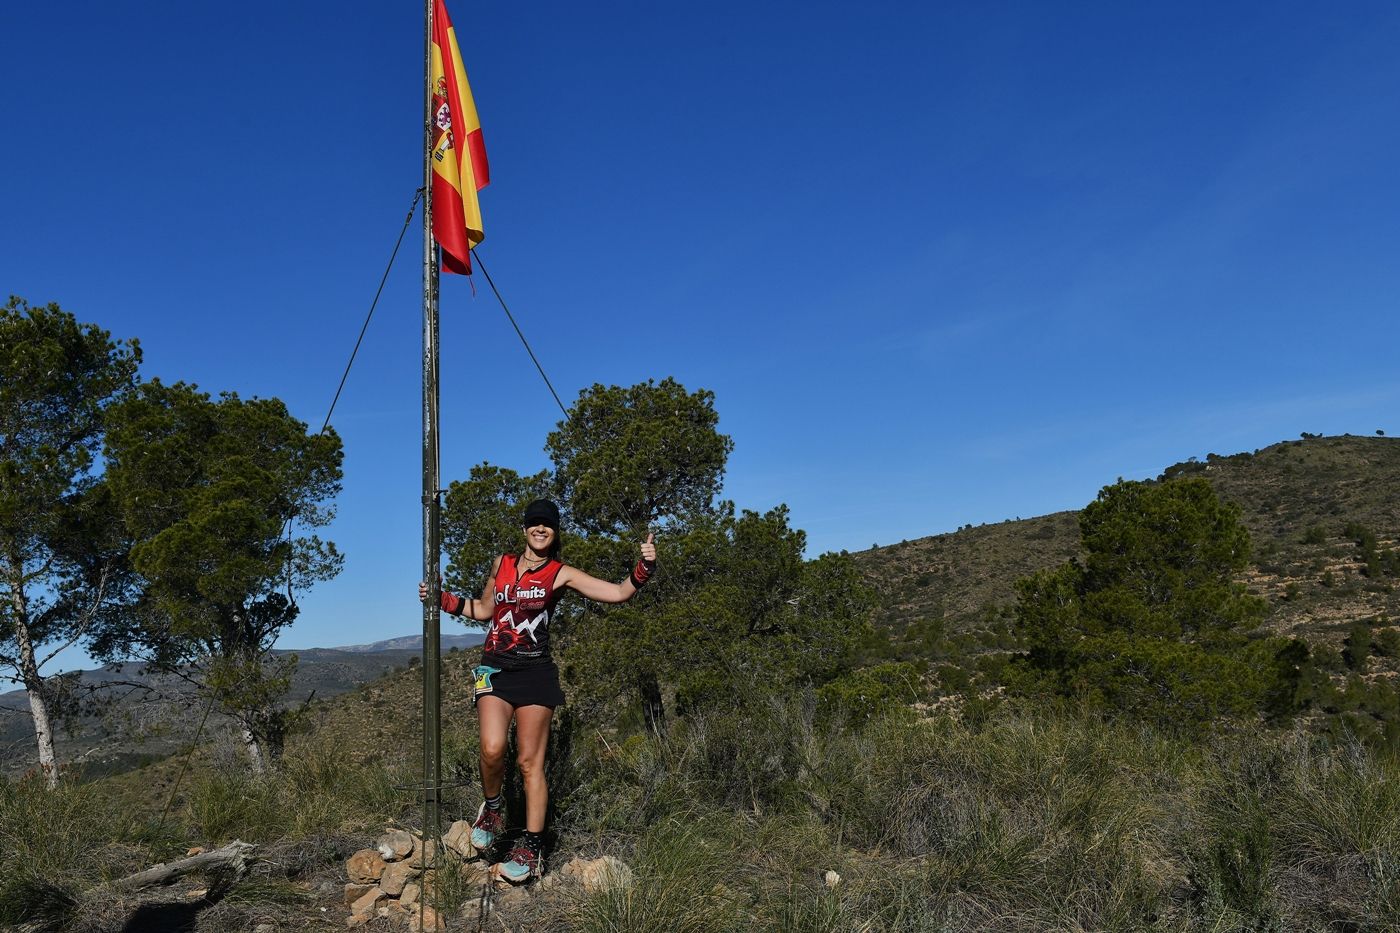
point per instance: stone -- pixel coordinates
(368, 904)
(599, 874)
(424, 853)
(355, 891)
(394, 845)
(831, 879)
(395, 876)
(410, 894)
(512, 897)
(365, 866)
(458, 838)
(475, 873)
(427, 920)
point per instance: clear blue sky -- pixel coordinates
(940, 263)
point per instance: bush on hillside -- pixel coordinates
(1152, 623)
(1357, 647)
(870, 692)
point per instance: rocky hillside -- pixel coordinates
(1308, 504)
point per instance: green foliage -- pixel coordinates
(734, 602)
(208, 489)
(1357, 647)
(56, 378)
(1161, 559)
(1388, 643)
(482, 518)
(1045, 820)
(1373, 564)
(62, 560)
(924, 640)
(1362, 711)
(869, 692)
(54, 843)
(1032, 817)
(736, 605)
(227, 805)
(627, 458)
(1152, 622)
(680, 873)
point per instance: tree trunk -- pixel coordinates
(34, 686)
(256, 760)
(653, 705)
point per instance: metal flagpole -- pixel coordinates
(432, 658)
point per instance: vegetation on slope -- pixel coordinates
(1031, 819)
(1296, 498)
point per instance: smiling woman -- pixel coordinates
(518, 679)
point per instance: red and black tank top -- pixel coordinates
(519, 634)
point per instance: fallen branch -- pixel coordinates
(232, 860)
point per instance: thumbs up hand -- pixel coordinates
(649, 549)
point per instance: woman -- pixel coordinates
(517, 678)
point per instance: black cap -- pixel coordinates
(542, 512)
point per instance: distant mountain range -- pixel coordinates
(150, 713)
(411, 643)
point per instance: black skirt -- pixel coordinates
(530, 686)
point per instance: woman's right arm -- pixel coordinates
(483, 609)
(480, 610)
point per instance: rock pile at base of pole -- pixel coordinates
(396, 877)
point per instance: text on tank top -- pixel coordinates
(520, 627)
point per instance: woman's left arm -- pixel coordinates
(601, 591)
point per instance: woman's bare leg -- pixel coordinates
(494, 714)
(531, 744)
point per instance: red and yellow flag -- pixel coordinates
(459, 155)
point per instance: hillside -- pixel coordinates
(147, 716)
(1297, 498)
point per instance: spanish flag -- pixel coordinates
(459, 155)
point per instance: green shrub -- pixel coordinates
(1357, 647)
(224, 806)
(870, 692)
(1327, 658)
(54, 843)
(1388, 643)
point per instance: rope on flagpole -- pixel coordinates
(621, 507)
(520, 334)
(417, 195)
(408, 219)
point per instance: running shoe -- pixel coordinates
(487, 827)
(524, 862)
